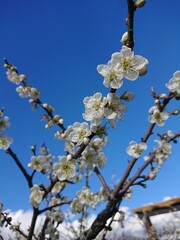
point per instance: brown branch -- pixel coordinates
(148, 133)
(33, 223)
(21, 167)
(8, 220)
(104, 184)
(51, 207)
(130, 24)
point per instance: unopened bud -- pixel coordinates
(175, 112)
(140, 3)
(86, 141)
(31, 100)
(6, 65)
(56, 118)
(44, 105)
(157, 101)
(33, 148)
(63, 135)
(69, 157)
(23, 77)
(143, 71)
(124, 38)
(61, 121)
(127, 96)
(163, 95)
(50, 109)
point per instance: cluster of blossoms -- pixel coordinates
(25, 90)
(5, 141)
(97, 108)
(84, 198)
(163, 150)
(134, 149)
(36, 195)
(157, 117)
(55, 217)
(123, 64)
(93, 156)
(43, 162)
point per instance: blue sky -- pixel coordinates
(59, 44)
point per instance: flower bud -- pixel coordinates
(23, 77)
(33, 148)
(175, 112)
(56, 118)
(61, 121)
(63, 135)
(163, 95)
(143, 71)
(124, 38)
(140, 3)
(127, 96)
(86, 141)
(44, 105)
(157, 101)
(69, 157)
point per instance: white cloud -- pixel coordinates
(132, 226)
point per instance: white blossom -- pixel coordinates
(129, 64)
(89, 157)
(87, 197)
(65, 169)
(98, 143)
(36, 163)
(41, 163)
(157, 116)
(14, 77)
(100, 160)
(94, 109)
(5, 142)
(114, 107)
(78, 132)
(174, 83)
(136, 149)
(27, 91)
(57, 187)
(22, 91)
(36, 195)
(55, 215)
(34, 93)
(112, 75)
(76, 206)
(161, 152)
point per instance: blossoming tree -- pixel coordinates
(83, 154)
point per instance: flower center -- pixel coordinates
(112, 76)
(126, 64)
